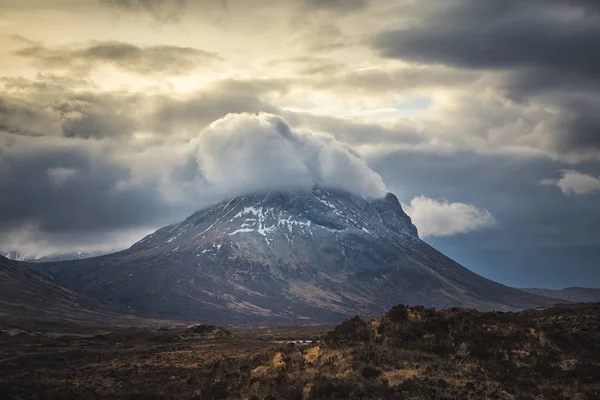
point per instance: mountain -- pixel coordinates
(76, 255)
(28, 299)
(314, 256)
(572, 294)
(15, 256)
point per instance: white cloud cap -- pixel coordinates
(244, 153)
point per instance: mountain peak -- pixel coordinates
(282, 215)
(394, 216)
(311, 255)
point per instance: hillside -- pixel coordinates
(30, 300)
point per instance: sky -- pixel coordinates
(118, 117)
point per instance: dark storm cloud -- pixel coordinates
(499, 34)
(546, 50)
(552, 43)
(578, 127)
(170, 60)
(524, 83)
(63, 188)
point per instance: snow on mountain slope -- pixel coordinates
(38, 258)
(314, 256)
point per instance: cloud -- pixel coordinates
(532, 55)
(504, 184)
(337, 5)
(24, 118)
(159, 59)
(382, 79)
(320, 35)
(259, 152)
(45, 83)
(575, 129)
(356, 132)
(166, 11)
(90, 194)
(442, 218)
(61, 112)
(575, 183)
(65, 186)
(499, 34)
(74, 189)
(461, 99)
(71, 108)
(202, 107)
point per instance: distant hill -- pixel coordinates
(75, 255)
(30, 300)
(572, 294)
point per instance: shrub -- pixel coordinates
(398, 314)
(369, 372)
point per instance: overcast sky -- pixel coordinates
(120, 116)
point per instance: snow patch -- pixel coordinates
(243, 230)
(258, 221)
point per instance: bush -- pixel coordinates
(324, 388)
(352, 330)
(398, 314)
(369, 372)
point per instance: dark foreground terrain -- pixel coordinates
(409, 353)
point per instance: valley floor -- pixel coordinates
(409, 353)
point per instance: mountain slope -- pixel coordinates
(28, 299)
(573, 294)
(317, 255)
